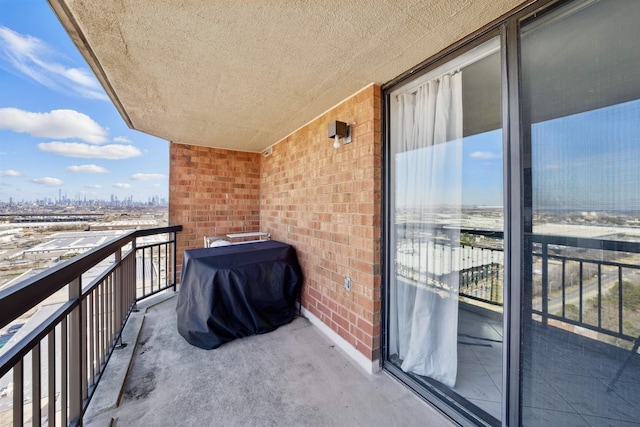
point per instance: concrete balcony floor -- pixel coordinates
(294, 376)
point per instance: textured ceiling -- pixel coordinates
(243, 74)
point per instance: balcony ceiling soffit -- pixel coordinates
(242, 75)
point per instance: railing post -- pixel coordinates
(144, 277)
(75, 352)
(133, 277)
(620, 302)
(173, 255)
(581, 278)
(36, 383)
(545, 283)
(64, 372)
(83, 348)
(18, 394)
(51, 394)
(564, 285)
(599, 295)
(119, 291)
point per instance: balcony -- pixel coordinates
(107, 348)
(104, 346)
(67, 321)
(292, 376)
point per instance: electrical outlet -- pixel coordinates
(347, 283)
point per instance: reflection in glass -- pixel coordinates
(581, 281)
(445, 312)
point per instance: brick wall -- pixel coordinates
(212, 192)
(323, 201)
(326, 202)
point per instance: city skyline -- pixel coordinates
(63, 201)
(59, 132)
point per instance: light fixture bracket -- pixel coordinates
(339, 129)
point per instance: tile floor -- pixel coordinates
(565, 377)
(480, 361)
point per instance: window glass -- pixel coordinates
(581, 278)
(445, 314)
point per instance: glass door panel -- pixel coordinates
(446, 284)
(580, 311)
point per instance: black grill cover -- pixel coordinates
(235, 291)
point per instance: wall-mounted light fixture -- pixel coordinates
(339, 130)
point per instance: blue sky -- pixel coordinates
(479, 168)
(586, 161)
(58, 128)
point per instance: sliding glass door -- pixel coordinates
(513, 256)
(446, 286)
(581, 280)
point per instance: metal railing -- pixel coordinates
(588, 283)
(53, 369)
(584, 282)
(482, 275)
(479, 267)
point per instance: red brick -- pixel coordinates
(325, 202)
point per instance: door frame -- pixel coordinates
(507, 28)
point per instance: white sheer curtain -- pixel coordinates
(428, 193)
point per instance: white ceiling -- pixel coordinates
(243, 74)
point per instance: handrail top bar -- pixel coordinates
(551, 239)
(158, 230)
(497, 234)
(21, 297)
(585, 242)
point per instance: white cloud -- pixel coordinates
(87, 169)
(10, 172)
(121, 185)
(552, 167)
(485, 155)
(48, 181)
(54, 124)
(122, 140)
(86, 151)
(147, 176)
(155, 186)
(81, 77)
(94, 186)
(31, 57)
